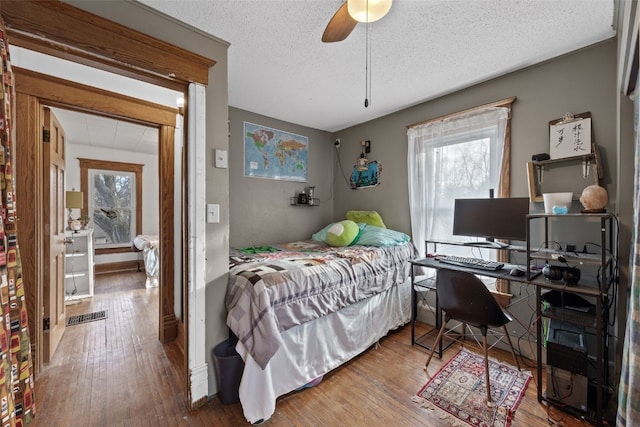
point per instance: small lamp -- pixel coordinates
(73, 200)
(368, 10)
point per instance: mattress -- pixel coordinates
(275, 288)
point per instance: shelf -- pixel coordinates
(429, 284)
(587, 320)
(580, 158)
(572, 215)
(78, 265)
(535, 170)
(73, 275)
(75, 254)
(570, 257)
(76, 297)
(293, 201)
(479, 244)
(559, 285)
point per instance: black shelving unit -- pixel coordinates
(594, 287)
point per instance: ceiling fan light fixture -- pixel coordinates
(368, 10)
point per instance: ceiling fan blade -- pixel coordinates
(340, 26)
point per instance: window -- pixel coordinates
(113, 200)
(459, 156)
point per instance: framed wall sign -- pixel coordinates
(570, 136)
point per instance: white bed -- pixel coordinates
(313, 324)
(148, 245)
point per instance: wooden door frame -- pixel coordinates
(64, 31)
(34, 90)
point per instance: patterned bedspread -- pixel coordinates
(274, 288)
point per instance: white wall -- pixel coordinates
(150, 189)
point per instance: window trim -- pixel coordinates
(108, 165)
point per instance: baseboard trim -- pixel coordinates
(117, 266)
(170, 328)
(198, 386)
(180, 340)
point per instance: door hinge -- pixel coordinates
(46, 323)
(46, 135)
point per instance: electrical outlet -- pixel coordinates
(337, 143)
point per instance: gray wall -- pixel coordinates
(260, 211)
(580, 82)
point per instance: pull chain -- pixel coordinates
(367, 66)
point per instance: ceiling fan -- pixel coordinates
(350, 13)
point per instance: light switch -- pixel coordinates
(213, 213)
(221, 159)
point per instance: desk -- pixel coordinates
(540, 283)
(429, 284)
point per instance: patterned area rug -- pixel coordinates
(457, 391)
(88, 317)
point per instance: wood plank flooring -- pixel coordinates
(114, 372)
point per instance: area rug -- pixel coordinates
(457, 392)
(88, 317)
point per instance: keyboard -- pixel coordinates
(481, 264)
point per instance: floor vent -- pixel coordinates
(85, 318)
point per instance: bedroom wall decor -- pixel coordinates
(274, 154)
(570, 136)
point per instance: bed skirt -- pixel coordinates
(314, 348)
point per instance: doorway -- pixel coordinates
(61, 30)
(33, 90)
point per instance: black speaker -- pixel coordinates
(540, 157)
(570, 275)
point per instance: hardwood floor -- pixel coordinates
(114, 372)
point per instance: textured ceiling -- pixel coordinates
(278, 67)
(421, 50)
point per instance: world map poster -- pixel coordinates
(274, 154)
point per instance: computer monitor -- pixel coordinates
(502, 218)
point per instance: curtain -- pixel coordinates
(16, 369)
(629, 388)
(424, 164)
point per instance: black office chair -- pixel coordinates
(463, 297)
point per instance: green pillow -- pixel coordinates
(342, 233)
(367, 217)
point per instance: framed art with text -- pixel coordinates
(570, 136)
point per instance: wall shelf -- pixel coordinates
(293, 201)
(535, 170)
